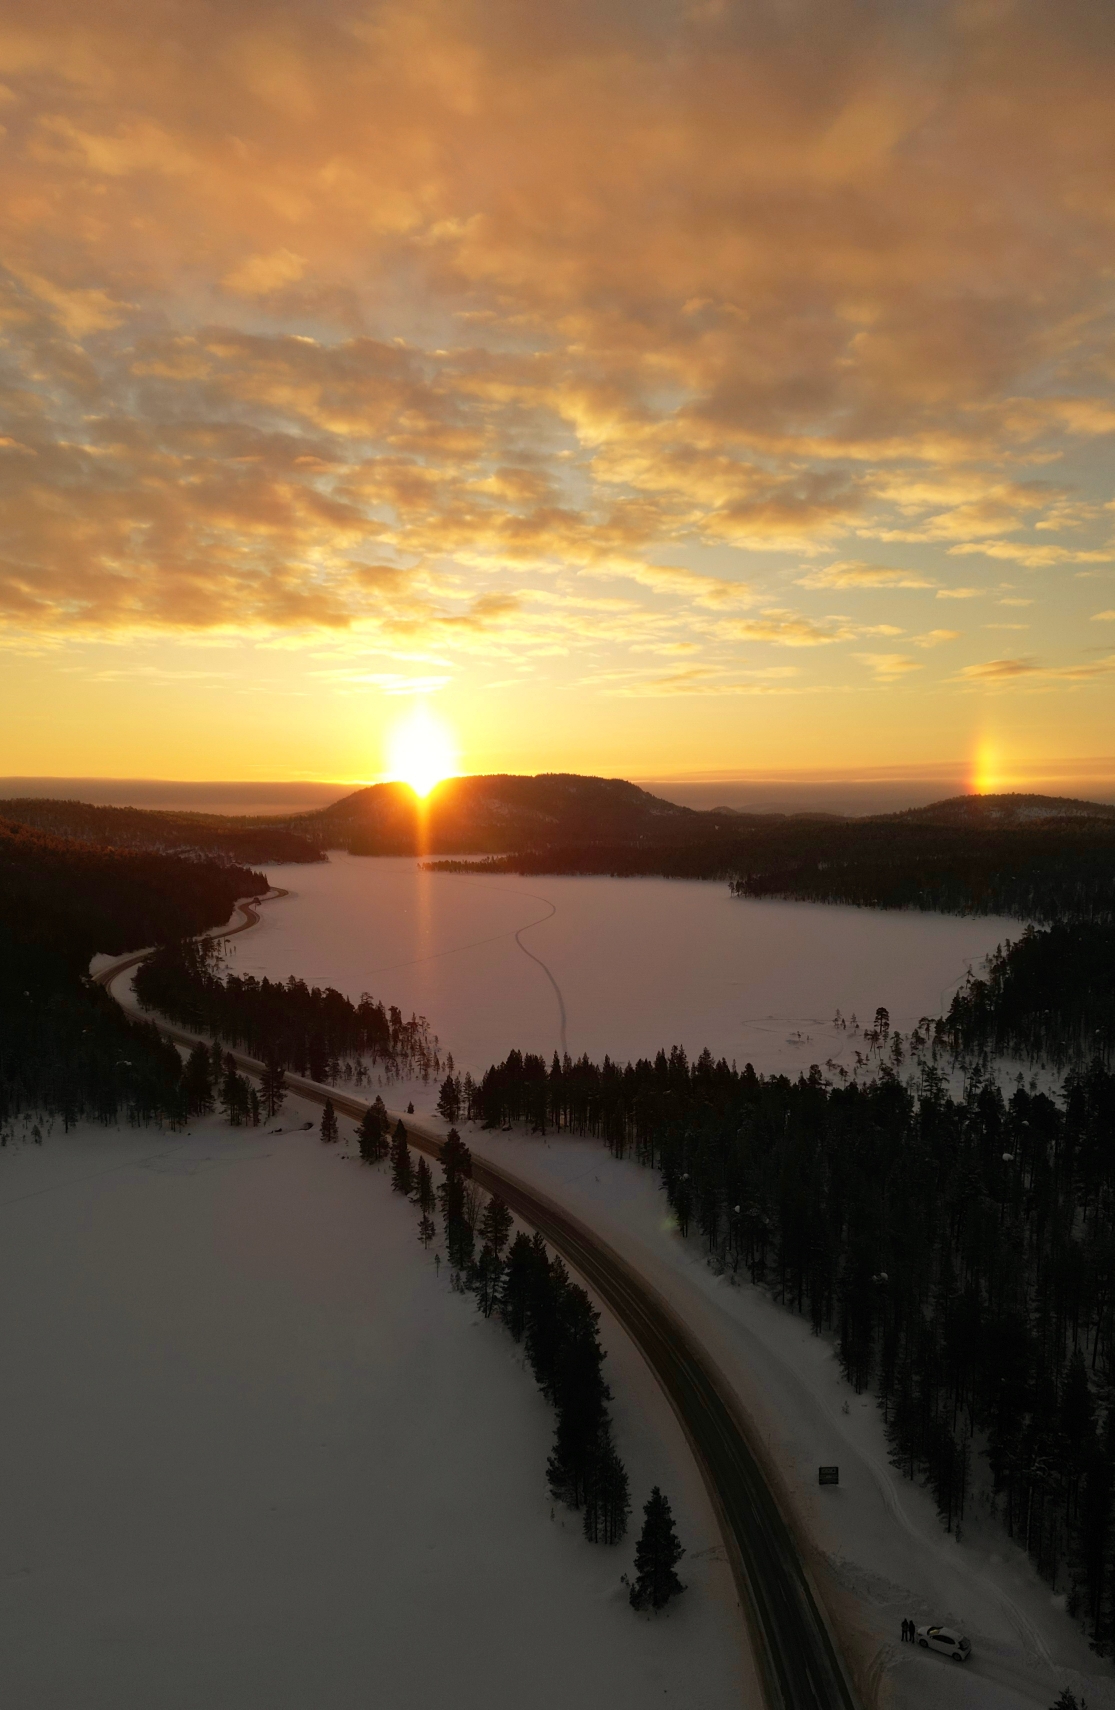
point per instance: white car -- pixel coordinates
(945, 1639)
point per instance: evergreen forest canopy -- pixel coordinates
(1049, 997)
(288, 1024)
(959, 1250)
(66, 1048)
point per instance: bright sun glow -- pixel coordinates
(421, 752)
(985, 780)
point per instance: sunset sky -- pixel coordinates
(652, 388)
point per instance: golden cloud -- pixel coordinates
(418, 318)
(889, 667)
(856, 574)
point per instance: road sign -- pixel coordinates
(828, 1475)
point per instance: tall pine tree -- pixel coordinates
(328, 1123)
(607, 1500)
(401, 1176)
(235, 1094)
(371, 1135)
(496, 1224)
(656, 1555)
(197, 1082)
(272, 1086)
(423, 1193)
(456, 1166)
(518, 1281)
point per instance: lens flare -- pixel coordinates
(421, 752)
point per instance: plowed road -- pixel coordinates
(794, 1650)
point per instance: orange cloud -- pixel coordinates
(436, 320)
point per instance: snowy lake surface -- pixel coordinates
(617, 966)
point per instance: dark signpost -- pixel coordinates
(828, 1475)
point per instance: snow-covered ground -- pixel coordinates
(258, 1455)
(631, 964)
(887, 1555)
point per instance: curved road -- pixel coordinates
(794, 1650)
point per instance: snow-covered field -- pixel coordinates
(622, 965)
(258, 1455)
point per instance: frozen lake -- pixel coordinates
(599, 965)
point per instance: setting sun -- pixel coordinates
(984, 778)
(421, 752)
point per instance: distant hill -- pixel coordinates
(1040, 858)
(1005, 811)
(211, 836)
(504, 813)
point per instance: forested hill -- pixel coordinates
(1003, 812)
(65, 1047)
(994, 859)
(211, 836)
(497, 814)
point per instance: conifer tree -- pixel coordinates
(518, 1278)
(235, 1099)
(549, 1282)
(485, 1279)
(197, 1082)
(607, 1501)
(456, 1158)
(371, 1134)
(579, 1393)
(456, 1165)
(329, 1128)
(496, 1224)
(401, 1178)
(449, 1099)
(656, 1555)
(272, 1086)
(423, 1194)
(427, 1229)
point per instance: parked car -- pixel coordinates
(946, 1639)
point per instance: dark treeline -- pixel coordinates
(1038, 872)
(212, 836)
(534, 1296)
(960, 1251)
(1049, 996)
(66, 1049)
(302, 1028)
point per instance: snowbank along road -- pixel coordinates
(794, 1650)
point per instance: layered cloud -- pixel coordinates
(507, 326)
